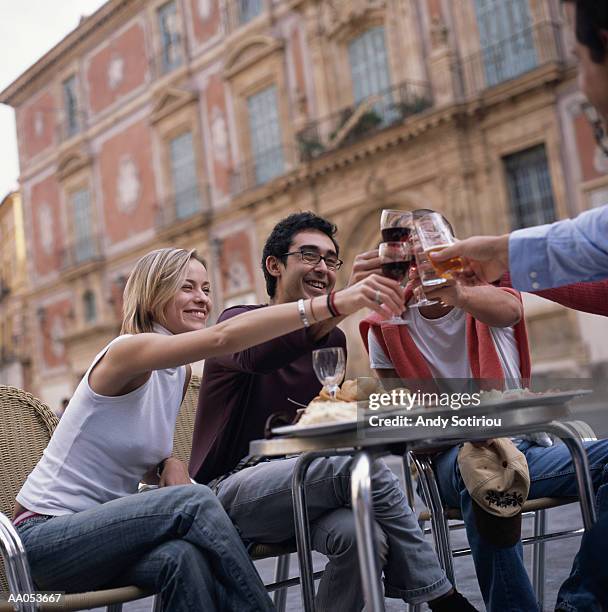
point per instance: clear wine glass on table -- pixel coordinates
(329, 365)
(395, 260)
(434, 234)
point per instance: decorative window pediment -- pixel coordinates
(71, 162)
(249, 52)
(171, 100)
(341, 18)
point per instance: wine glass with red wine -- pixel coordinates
(395, 259)
(396, 225)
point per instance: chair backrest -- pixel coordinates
(184, 426)
(26, 425)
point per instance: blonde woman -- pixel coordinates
(81, 523)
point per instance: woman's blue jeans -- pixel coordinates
(177, 541)
(501, 573)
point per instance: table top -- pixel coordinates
(426, 428)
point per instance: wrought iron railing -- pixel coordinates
(85, 249)
(182, 205)
(510, 58)
(354, 123)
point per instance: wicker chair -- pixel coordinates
(26, 425)
(182, 447)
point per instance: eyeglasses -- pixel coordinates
(312, 258)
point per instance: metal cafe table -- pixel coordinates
(517, 417)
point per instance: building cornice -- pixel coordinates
(17, 90)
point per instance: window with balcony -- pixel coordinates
(70, 104)
(529, 186)
(84, 244)
(248, 10)
(506, 38)
(183, 174)
(265, 131)
(369, 64)
(170, 39)
(90, 306)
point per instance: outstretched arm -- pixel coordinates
(135, 357)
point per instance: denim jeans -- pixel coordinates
(177, 541)
(503, 580)
(258, 500)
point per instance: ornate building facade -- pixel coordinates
(200, 123)
(14, 342)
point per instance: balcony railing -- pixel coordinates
(236, 13)
(372, 115)
(81, 251)
(510, 58)
(183, 205)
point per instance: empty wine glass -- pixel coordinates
(329, 365)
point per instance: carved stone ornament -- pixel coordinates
(375, 188)
(38, 123)
(237, 277)
(45, 223)
(204, 9)
(339, 14)
(439, 33)
(219, 136)
(128, 185)
(116, 69)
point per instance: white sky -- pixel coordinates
(28, 29)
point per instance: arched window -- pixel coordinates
(90, 306)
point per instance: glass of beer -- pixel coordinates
(435, 234)
(428, 278)
(396, 225)
(395, 259)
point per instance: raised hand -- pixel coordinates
(486, 256)
(377, 292)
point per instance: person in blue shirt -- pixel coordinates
(541, 257)
(569, 251)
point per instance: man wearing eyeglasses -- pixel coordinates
(239, 392)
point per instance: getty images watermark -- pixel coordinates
(452, 406)
(406, 400)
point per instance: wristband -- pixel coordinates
(312, 312)
(332, 303)
(302, 312)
